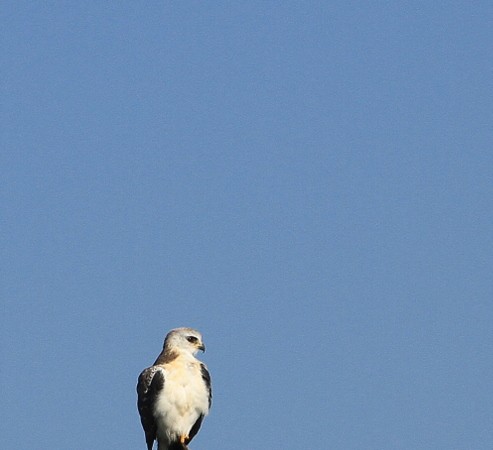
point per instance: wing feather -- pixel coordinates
(206, 376)
(150, 382)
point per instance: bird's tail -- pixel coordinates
(177, 446)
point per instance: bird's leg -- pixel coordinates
(184, 440)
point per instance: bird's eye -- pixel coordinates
(192, 339)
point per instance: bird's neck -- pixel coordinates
(168, 355)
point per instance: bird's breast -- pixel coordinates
(183, 398)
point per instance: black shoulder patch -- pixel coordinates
(207, 380)
(157, 383)
(151, 381)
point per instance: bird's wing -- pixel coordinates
(207, 381)
(151, 381)
(206, 376)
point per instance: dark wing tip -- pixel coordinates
(195, 429)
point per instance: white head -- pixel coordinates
(183, 340)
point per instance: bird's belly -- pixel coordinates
(181, 402)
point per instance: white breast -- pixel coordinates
(183, 399)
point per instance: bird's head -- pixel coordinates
(184, 340)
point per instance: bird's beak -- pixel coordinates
(202, 347)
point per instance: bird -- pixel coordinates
(175, 394)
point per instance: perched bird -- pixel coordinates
(174, 394)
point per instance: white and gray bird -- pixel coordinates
(174, 394)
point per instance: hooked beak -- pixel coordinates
(201, 347)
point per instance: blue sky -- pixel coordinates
(307, 183)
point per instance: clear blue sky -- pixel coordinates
(310, 184)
